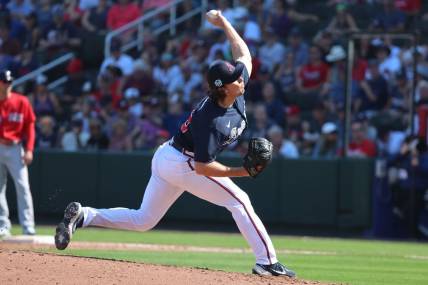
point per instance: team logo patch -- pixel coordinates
(16, 117)
(218, 83)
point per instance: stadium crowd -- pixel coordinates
(296, 96)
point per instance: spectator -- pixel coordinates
(412, 9)
(285, 76)
(147, 131)
(272, 51)
(175, 115)
(373, 94)
(46, 137)
(389, 19)
(32, 32)
(298, 48)
(328, 145)
(261, 123)
(119, 140)
(168, 74)
(44, 102)
(44, 14)
(27, 62)
(274, 107)
(72, 12)
(294, 129)
(312, 78)
(122, 13)
(281, 146)
(19, 9)
(98, 140)
(132, 97)
(389, 63)
(95, 18)
(191, 80)
(251, 29)
(283, 15)
(337, 79)
(141, 79)
(360, 145)
(9, 46)
(400, 99)
(60, 36)
(119, 59)
(75, 139)
(342, 23)
(325, 41)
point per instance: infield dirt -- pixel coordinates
(23, 266)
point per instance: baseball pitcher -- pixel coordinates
(188, 163)
(16, 126)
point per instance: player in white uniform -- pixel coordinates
(187, 163)
(17, 121)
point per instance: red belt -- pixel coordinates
(7, 142)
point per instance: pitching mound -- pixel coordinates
(27, 267)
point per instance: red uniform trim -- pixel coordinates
(243, 205)
(246, 210)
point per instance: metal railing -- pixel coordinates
(138, 25)
(33, 74)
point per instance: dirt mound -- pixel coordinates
(27, 267)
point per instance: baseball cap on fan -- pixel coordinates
(6, 76)
(222, 72)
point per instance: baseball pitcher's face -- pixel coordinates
(236, 88)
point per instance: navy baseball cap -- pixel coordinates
(222, 72)
(6, 76)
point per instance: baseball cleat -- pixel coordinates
(276, 269)
(73, 214)
(4, 233)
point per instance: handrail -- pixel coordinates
(33, 74)
(138, 25)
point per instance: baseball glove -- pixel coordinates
(258, 156)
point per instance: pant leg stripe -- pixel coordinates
(245, 208)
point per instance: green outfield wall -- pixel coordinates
(304, 192)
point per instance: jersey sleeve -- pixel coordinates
(245, 75)
(29, 125)
(204, 140)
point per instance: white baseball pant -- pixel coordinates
(172, 174)
(11, 160)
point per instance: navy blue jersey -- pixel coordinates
(211, 128)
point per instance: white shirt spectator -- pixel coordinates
(389, 67)
(171, 78)
(271, 54)
(125, 62)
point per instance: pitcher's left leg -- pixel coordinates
(223, 192)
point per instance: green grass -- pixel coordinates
(350, 261)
